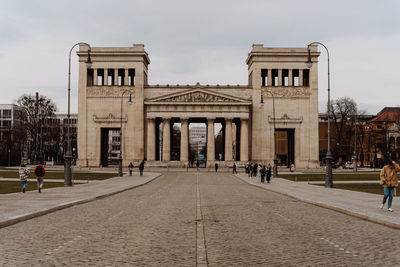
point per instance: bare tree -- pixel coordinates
(343, 110)
(35, 114)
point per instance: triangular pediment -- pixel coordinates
(197, 96)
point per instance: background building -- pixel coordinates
(11, 134)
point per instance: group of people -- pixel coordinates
(265, 171)
(24, 174)
(141, 168)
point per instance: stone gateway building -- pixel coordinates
(281, 91)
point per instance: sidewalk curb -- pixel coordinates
(347, 212)
(68, 205)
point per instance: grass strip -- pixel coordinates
(60, 175)
(367, 188)
(7, 187)
(304, 177)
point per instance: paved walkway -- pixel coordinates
(18, 207)
(45, 180)
(359, 204)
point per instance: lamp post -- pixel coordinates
(355, 145)
(68, 152)
(273, 114)
(120, 132)
(328, 158)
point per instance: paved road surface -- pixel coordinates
(239, 225)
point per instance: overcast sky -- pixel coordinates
(202, 41)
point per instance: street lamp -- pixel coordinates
(273, 114)
(120, 132)
(355, 145)
(68, 153)
(328, 158)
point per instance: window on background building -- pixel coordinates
(6, 124)
(6, 113)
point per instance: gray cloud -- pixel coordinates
(205, 41)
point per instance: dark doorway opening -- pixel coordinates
(197, 142)
(110, 146)
(285, 146)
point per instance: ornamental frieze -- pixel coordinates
(287, 92)
(103, 91)
(198, 97)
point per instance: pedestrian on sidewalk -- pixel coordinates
(141, 167)
(291, 167)
(130, 167)
(39, 172)
(23, 175)
(390, 182)
(250, 170)
(234, 170)
(269, 173)
(263, 171)
(216, 167)
(197, 165)
(255, 169)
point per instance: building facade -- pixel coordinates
(11, 133)
(281, 92)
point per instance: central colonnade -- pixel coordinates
(184, 138)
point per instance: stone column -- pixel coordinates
(279, 77)
(151, 139)
(244, 140)
(300, 77)
(115, 76)
(290, 77)
(269, 78)
(184, 141)
(105, 77)
(126, 77)
(166, 149)
(228, 139)
(210, 140)
(95, 77)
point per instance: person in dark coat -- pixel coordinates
(141, 167)
(216, 167)
(234, 170)
(269, 168)
(39, 172)
(130, 167)
(263, 171)
(250, 170)
(255, 169)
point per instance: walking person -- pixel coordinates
(269, 168)
(130, 167)
(141, 167)
(234, 170)
(23, 176)
(250, 170)
(197, 165)
(39, 172)
(291, 167)
(390, 182)
(216, 167)
(255, 170)
(263, 171)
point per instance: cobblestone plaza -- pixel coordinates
(189, 219)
